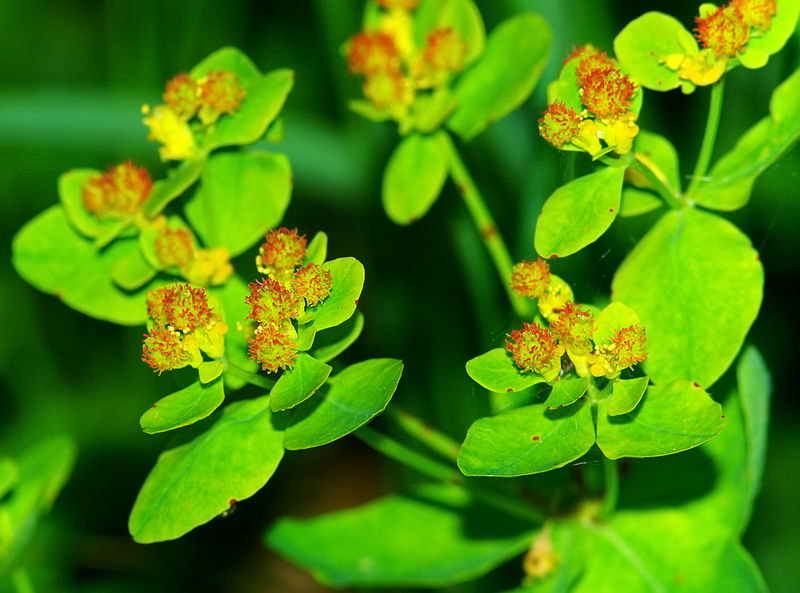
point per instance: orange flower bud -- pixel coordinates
(118, 193)
(272, 348)
(530, 278)
(725, 31)
(163, 350)
(271, 303)
(283, 250)
(535, 350)
(312, 283)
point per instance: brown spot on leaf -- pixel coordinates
(535, 437)
(509, 390)
(232, 502)
(696, 384)
(356, 302)
(489, 232)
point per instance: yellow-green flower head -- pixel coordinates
(407, 5)
(724, 30)
(559, 124)
(443, 55)
(282, 251)
(535, 350)
(174, 247)
(181, 95)
(180, 307)
(370, 52)
(573, 327)
(272, 348)
(627, 348)
(271, 303)
(171, 131)
(163, 350)
(311, 283)
(757, 13)
(530, 279)
(118, 193)
(219, 92)
(607, 93)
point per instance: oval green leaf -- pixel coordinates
(414, 177)
(70, 192)
(182, 408)
(504, 76)
(349, 399)
(132, 271)
(527, 440)
(496, 371)
(566, 392)
(419, 540)
(317, 249)
(338, 340)
(637, 201)
(613, 317)
(461, 15)
(54, 258)
(626, 395)
(347, 281)
(696, 283)
(298, 383)
(578, 213)
(670, 418)
(755, 389)
(193, 483)
(241, 196)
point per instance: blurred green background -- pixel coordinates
(73, 76)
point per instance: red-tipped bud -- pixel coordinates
(174, 247)
(573, 327)
(630, 344)
(445, 50)
(607, 93)
(724, 30)
(372, 52)
(591, 59)
(272, 348)
(283, 250)
(757, 13)
(530, 279)
(118, 193)
(221, 91)
(534, 349)
(182, 95)
(559, 124)
(163, 351)
(271, 303)
(311, 283)
(180, 307)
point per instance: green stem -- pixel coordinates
(709, 136)
(611, 495)
(252, 378)
(434, 469)
(486, 226)
(425, 433)
(22, 582)
(658, 180)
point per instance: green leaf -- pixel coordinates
(505, 75)
(527, 440)
(132, 271)
(626, 395)
(659, 155)
(670, 418)
(42, 471)
(429, 111)
(340, 339)
(210, 370)
(644, 42)
(228, 58)
(675, 552)
(51, 256)
(349, 399)
(578, 213)
(184, 407)
(317, 249)
(414, 177)
(241, 196)
(347, 281)
(264, 101)
(9, 473)
(461, 15)
(298, 383)
(193, 483)
(496, 371)
(70, 192)
(566, 392)
(781, 29)
(367, 110)
(730, 181)
(755, 389)
(232, 297)
(612, 318)
(178, 180)
(306, 332)
(636, 201)
(696, 283)
(434, 537)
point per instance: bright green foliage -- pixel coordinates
(527, 440)
(298, 383)
(335, 342)
(495, 370)
(567, 391)
(636, 201)
(29, 485)
(414, 177)
(317, 249)
(178, 180)
(626, 395)
(578, 213)
(186, 406)
(350, 399)
(731, 179)
(70, 192)
(783, 26)
(612, 318)
(241, 196)
(132, 271)
(210, 370)
(49, 254)
(644, 41)
(193, 483)
(436, 536)
(755, 390)
(660, 156)
(347, 281)
(713, 280)
(516, 53)
(462, 15)
(669, 419)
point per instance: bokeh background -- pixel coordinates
(73, 76)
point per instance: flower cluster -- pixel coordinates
(394, 67)
(175, 249)
(191, 103)
(723, 32)
(606, 110)
(570, 330)
(117, 194)
(283, 295)
(183, 324)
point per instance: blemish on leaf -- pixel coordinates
(356, 302)
(611, 210)
(696, 384)
(723, 416)
(651, 53)
(232, 502)
(154, 406)
(535, 437)
(462, 187)
(489, 232)
(509, 390)
(553, 256)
